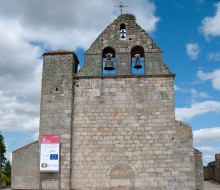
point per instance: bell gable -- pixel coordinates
(131, 49)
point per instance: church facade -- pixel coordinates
(115, 117)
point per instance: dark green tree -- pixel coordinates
(2, 152)
(7, 169)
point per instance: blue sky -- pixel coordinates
(187, 31)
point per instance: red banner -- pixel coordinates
(50, 139)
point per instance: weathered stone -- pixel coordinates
(117, 131)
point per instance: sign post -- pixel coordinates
(50, 154)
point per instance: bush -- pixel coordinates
(5, 179)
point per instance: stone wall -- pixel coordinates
(212, 171)
(199, 174)
(208, 173)
(25, 162)
(217, 172)
(56, 110)
(125, 134)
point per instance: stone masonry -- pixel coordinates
(57, 109)
(25, 167)
(118, 131)
(129, 123)
(212, 170)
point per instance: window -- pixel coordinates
(122, 26)
(137, 60)
(122, 32)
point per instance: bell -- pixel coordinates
(123, 32)
(109, 64)
(137, 64)
(122, 35)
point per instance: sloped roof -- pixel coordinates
(35, 142)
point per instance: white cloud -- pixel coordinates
(208, 148)
(207, 141)
(20, 79)
(213, 76)
(192, 50)
(196, 94)
(177, 88)
(197, 108)
(214, 56)
(28, 27)
(207, 136)
(211, 25)
(71, 25)
(16, 115)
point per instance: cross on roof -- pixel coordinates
(121, 6)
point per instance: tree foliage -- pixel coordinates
(4, 178)
(2, 151)
(7, 169)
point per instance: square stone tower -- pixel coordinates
(116, 116)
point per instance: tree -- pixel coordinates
(2, 152)
(7, 169)
(6, 175)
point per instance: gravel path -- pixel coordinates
(209, 185)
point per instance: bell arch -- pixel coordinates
(122, 26)
(108, 61)
(137, 60)
(122, 32)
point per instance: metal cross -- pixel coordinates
(121, 6)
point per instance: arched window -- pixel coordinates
(122, 32)
(108, 61)
(137, 60)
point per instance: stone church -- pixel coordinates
(115, 117)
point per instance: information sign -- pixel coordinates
(49, 153)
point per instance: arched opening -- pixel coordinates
(122, 177)
(108, 61)
(122, 32)
(137, 60)
(122, 26)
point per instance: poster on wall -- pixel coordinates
(50, 153)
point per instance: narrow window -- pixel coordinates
(122, 26)
(137, 60)
(108, 61)
(122, 32)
